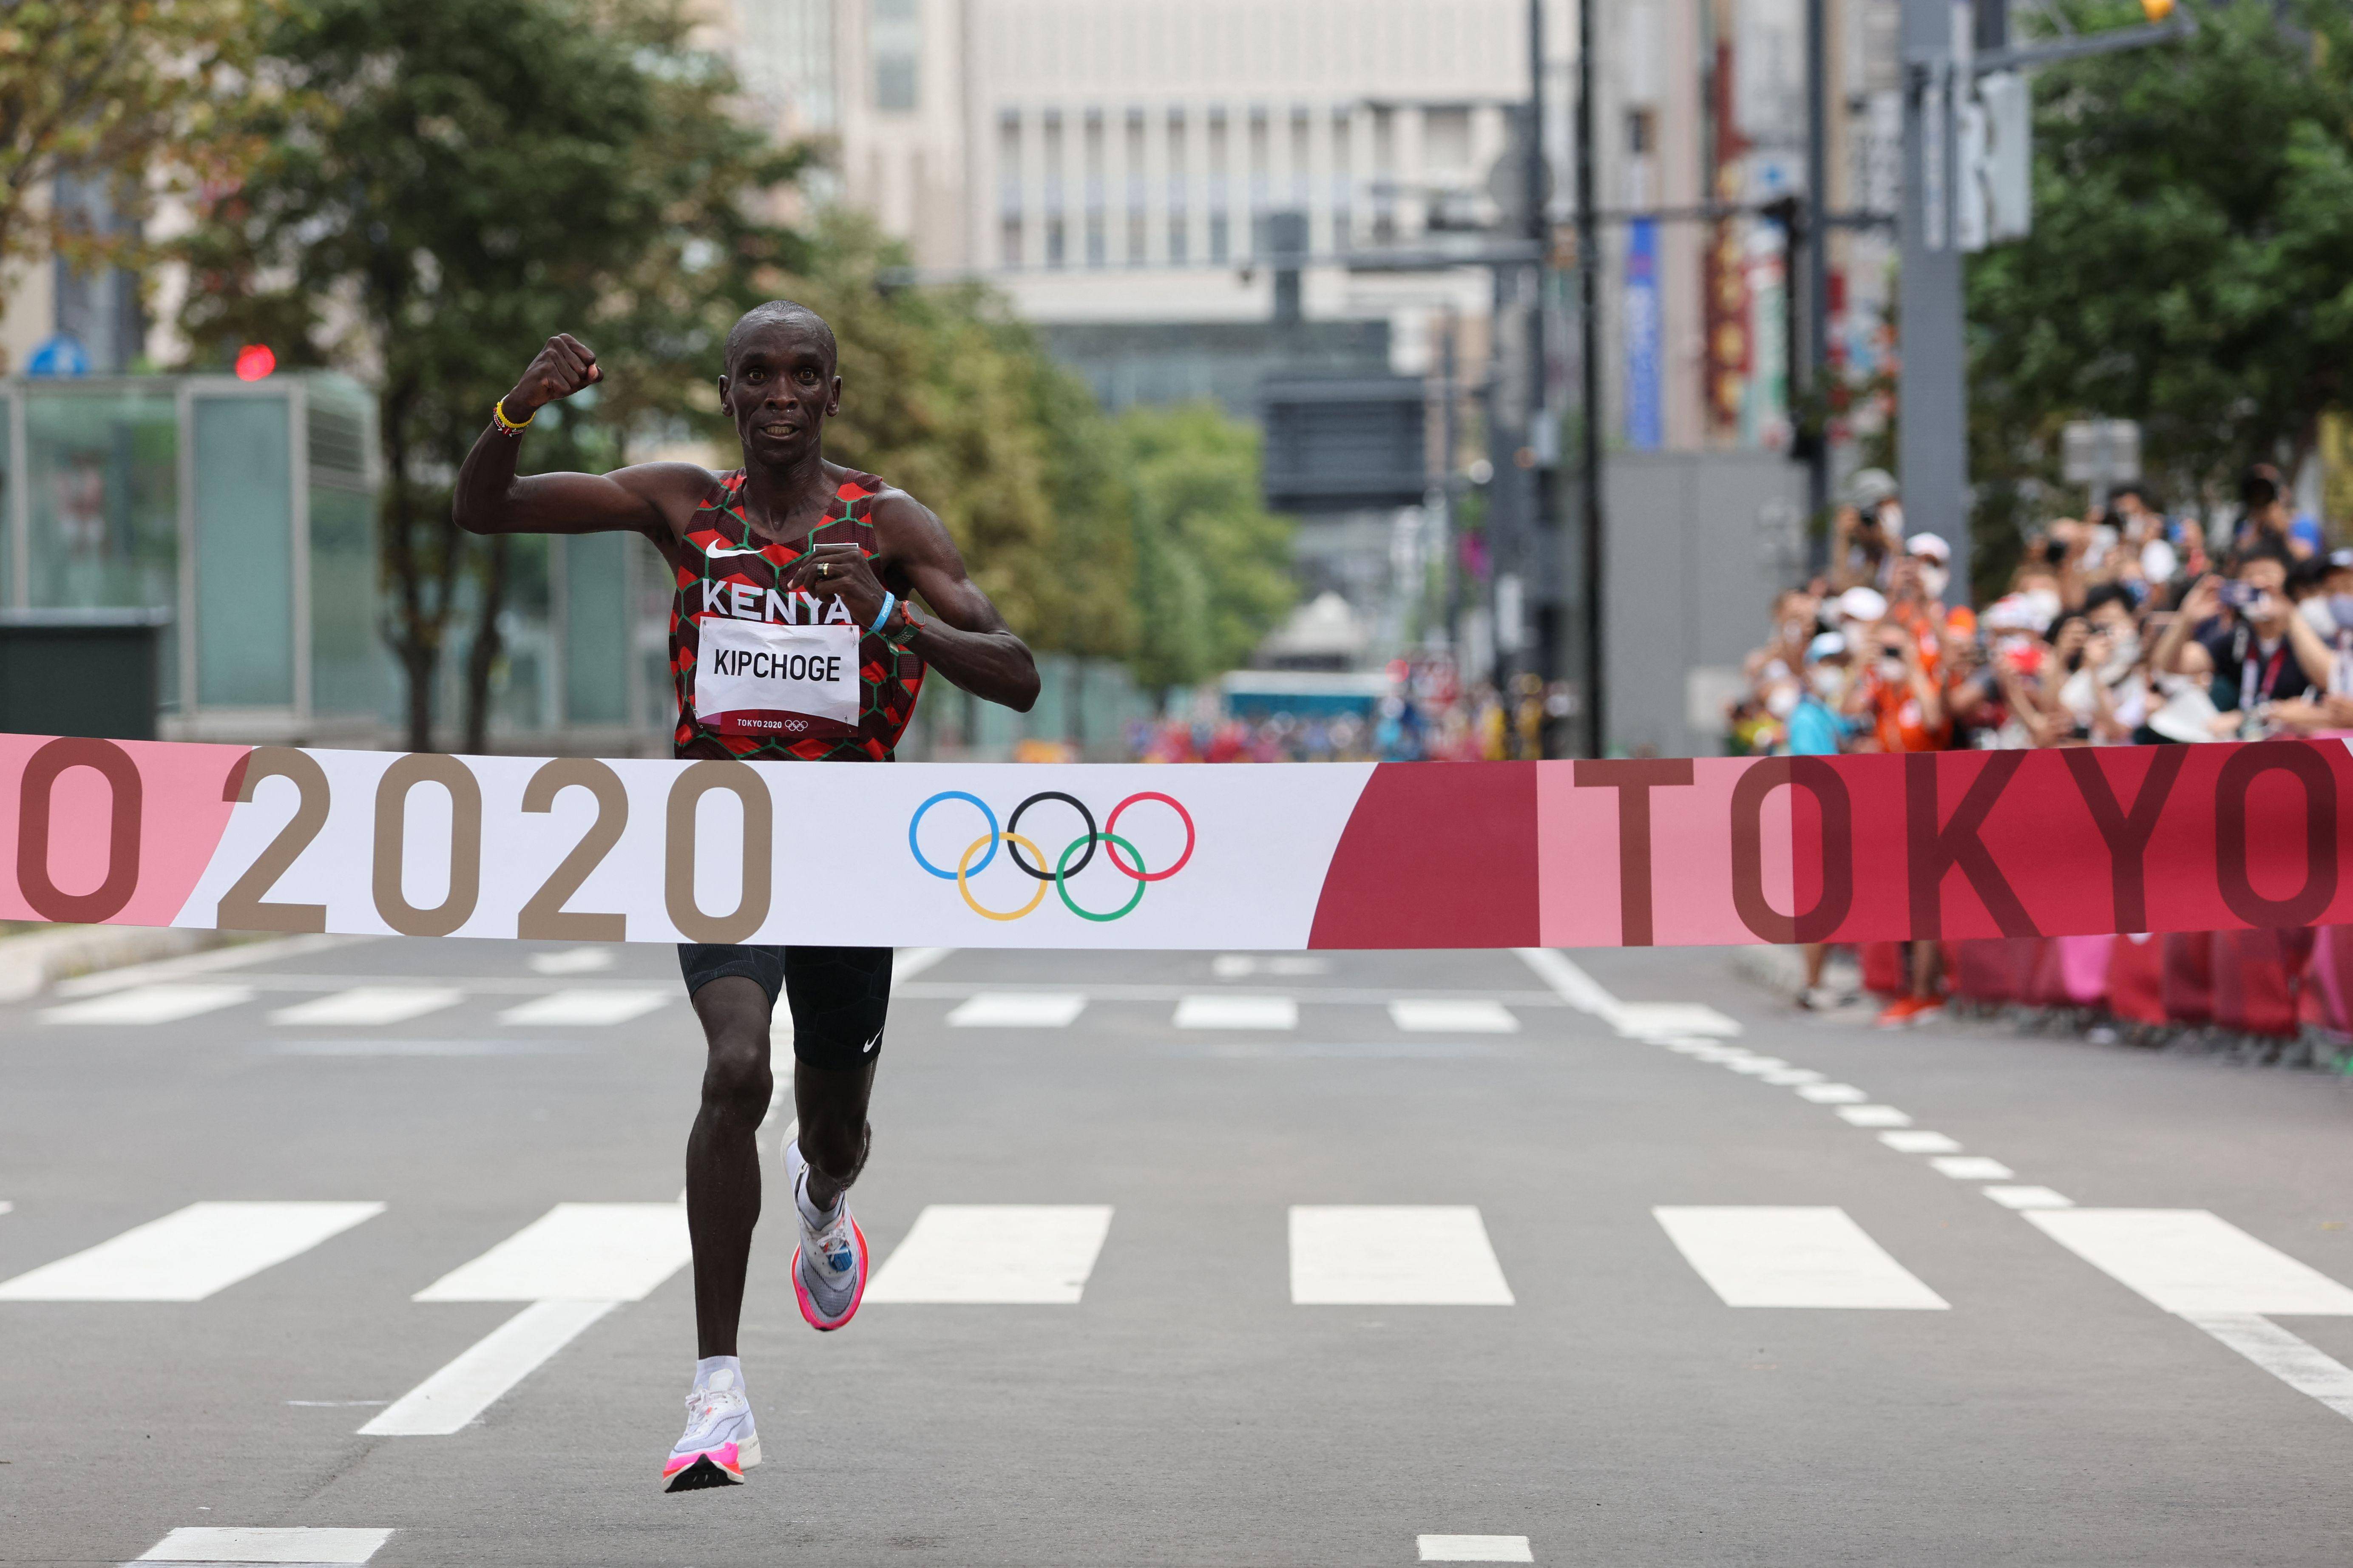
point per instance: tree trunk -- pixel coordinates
(406, 629)
(481, 660)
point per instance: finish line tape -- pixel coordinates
(1569, 854)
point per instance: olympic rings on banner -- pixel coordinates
(1072, 904)
(1085, 815)
(1111, 826)
(916, 821)
(975, 904)
(1075, 858)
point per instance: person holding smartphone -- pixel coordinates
(794, 636)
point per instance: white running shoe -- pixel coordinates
(830, 1265)
(720, 1444)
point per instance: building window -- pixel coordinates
(1054, 251)
(1011, 246)
(1220, 244)
(1343, 180)
(895, 33)
(1097, 250)
(1177, 187)
(1641, 131)
(1260, 162)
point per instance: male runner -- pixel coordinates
(792, 637)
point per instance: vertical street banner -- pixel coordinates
(1617, 852)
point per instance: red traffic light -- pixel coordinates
(255, 360)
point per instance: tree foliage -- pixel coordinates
(147, 96)
(2189, 264)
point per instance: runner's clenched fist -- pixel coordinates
(564, 367)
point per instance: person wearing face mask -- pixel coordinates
(2244, 638)
(1933, 561)
(1817, 728)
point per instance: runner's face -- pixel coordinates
(780, 391)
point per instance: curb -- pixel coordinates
(32, 961)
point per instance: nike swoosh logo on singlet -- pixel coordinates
(753, 550)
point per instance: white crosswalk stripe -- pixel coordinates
(366, 1005)
(1223, 1011)
(1019, 1010)
(187, 1256)
(294, 1544)
(587, 1009)
(1406, 1256)
(1002, 1254)
(149, 1005)
(1469, 1018)
(1778, 1257)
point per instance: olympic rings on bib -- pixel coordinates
(1122, 855)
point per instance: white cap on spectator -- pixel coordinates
(1929, 546)
(1861, 603)
(2159, 561)
(2011, 614)
(1829, 645)
(1871, 485)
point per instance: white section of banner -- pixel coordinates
(843, 866)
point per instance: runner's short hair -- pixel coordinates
(760, 315)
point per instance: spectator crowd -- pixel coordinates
(2126, 627)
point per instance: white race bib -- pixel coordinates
(759, 678)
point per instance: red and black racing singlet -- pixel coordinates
(784, 677)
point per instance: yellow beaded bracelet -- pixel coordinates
(506, 426)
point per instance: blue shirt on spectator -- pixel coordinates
(1814, 730)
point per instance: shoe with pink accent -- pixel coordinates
(720, 1444)
(830, 1265)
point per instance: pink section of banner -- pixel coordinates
(99, 863)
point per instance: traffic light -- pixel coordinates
(255, 360)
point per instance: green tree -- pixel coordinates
(1212, 565)
(447, 183)
(146, 95)
(2188, 267)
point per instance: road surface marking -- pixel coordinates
(909, 961)
(572, 961)
(7, 1207)
(1756, 1064)
(1018, 1010)
(994, 1254)
(575, 1252)
(1243, 965)
(587, 1007)
(1764, 1257)
(1972, 1168)
(1238, 1013)
(2194, 1263)
(364, 1004)
(1790, 1077)
(1648, 1020)
(483, 1373)
(1922, 1143)
(298, 1545)
(1568, 982)
(1454, 1017)
(2029, 1198)
(1873, 1115)
(1475, 1549)
(149, 1005)
(1832, 1094)
(188, 1254)
(2303, 1367)
(213, 959)
(1427, 1255)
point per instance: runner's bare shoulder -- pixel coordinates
(673, 490)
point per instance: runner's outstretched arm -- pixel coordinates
(965, 639)
(491, 498)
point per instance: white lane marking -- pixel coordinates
(211, 961)
(1922, 1143)
(1704, 1049)
(1454, 1017)
(1873, 1115)
(994, 1254)
(909, 961)
(1243, 965)
(149, 1005)
(2303, 1367)
(189, 1255)
(456, 1395)
(2027, 1197)
(1475, 1549)
(572, 961)
(1018, 1010)
(1430, 1255)
(1238, 1013)
(364, 1004)
(1832, 1094)
(575, 1252)
(1648, 1020)
(1972, 1168)
(1768, 1257)
(1568, 981)
(284, 1544)
(1756, 1064)
(7, 1207)
(1720, 1055)
(587, 1007)
(1790, 1077)
(2193, 1262)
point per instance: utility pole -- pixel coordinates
(1939, 39)
(1811, 374)
(1589, 459)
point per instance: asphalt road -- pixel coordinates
(1453, 1246)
